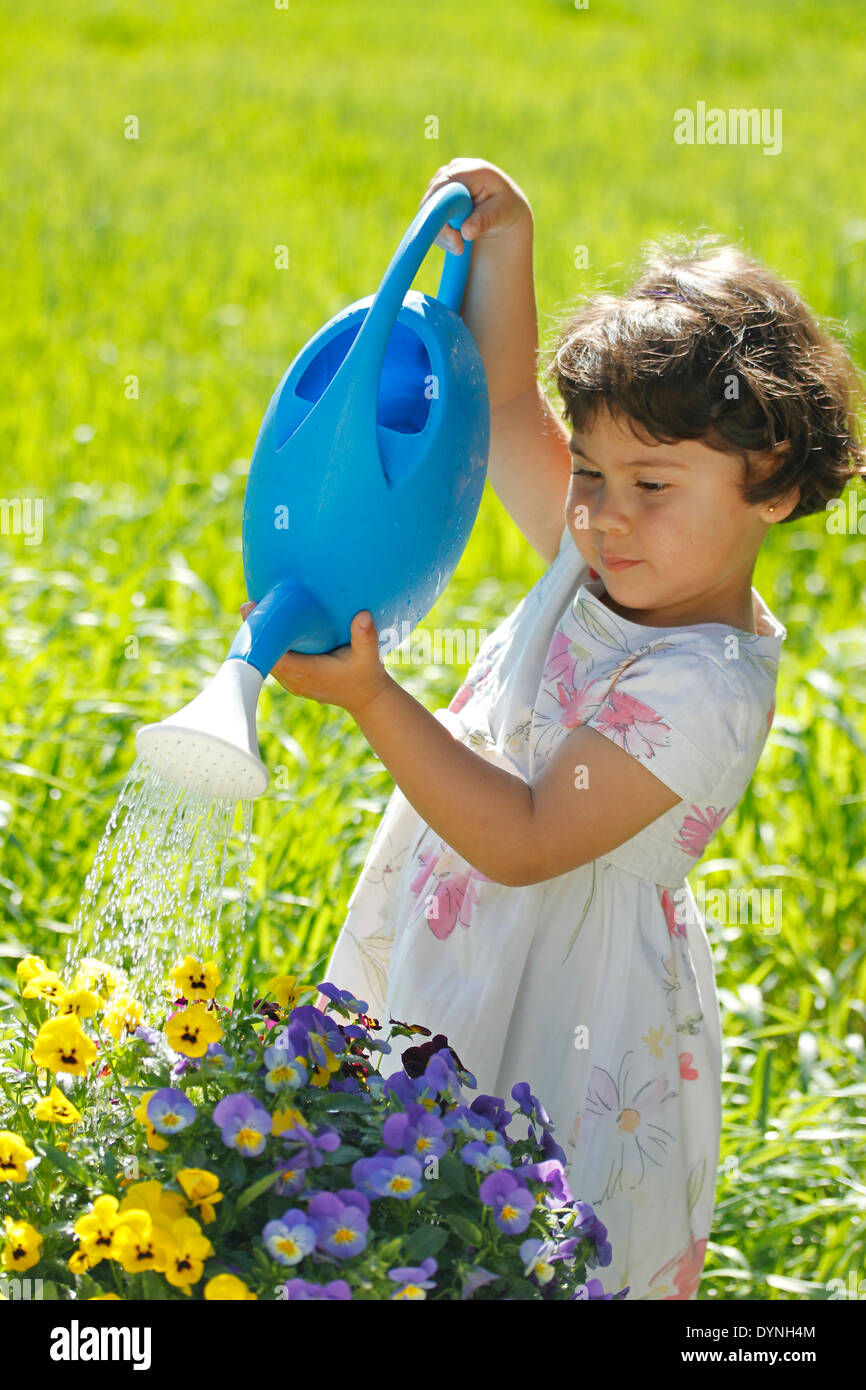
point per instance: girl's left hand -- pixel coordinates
(350, 676)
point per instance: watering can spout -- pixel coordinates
(211, 743)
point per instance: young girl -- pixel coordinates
(525, 892)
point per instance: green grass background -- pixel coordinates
(154, 258)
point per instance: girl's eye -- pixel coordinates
(651, 487)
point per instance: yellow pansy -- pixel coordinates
(189, 1250)
(201, 1187)
(228, 1286)
(56, 1109)
(193, 1030)
(99, 977)
(285, 990)
(30, 966)
(140, 1243)
(322, 1074)
(83, 1003)
(196, 981)
(154, 1140)
(163, 1207)
(62, 1045)
(123, 1014)
(103, 1297)
(287, 1118)
(22, 1247)
(95, 1230)
(79, 1263)
(14, 1154)
(46, 985)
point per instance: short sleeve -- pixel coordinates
(681, 715)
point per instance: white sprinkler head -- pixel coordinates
(211, 744)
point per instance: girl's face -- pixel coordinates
(675, 511)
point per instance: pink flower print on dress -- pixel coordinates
(467, 690)
(427, 860)
(635, 726)
(687, 1268)
(675, 928)
(560, 659)
(696, 831)
(687, 1071)
(478, 676)
(452, 899)
(463, 695)
(576, 706)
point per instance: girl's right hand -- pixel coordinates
(500, 205)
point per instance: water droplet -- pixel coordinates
(158, 885)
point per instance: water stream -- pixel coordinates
(169, 879)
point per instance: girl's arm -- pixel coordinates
(512, 832)
(528, 463)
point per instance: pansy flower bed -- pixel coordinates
(257, 1152)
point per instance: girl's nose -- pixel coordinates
(608, 515)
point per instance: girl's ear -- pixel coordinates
(767, 464)
(782, 507)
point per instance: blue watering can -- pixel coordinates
(366, 478)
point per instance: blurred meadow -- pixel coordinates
(151, 260)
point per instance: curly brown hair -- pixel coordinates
(709, 344)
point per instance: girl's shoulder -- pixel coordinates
(713, 685)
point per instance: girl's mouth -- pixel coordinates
(613, 564)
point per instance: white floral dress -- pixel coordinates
(596, 986)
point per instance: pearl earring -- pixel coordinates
(772, 509)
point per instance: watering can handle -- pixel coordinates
(451, 204)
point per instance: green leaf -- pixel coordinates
(389, 1252)
(426, 1241)
(109, 1163)
(62, 1161)
(347, 1100)
(257, 1189)
(465, 1229)
(235, 1171)
(521, 1288)
(346, 1153)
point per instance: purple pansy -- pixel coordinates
(487, 1158)
(414, 1279)
(510, 1199)
(415, 1131)
(476, 1279)
(396, 1176)
(492, 1109)
(304, 1289)
(290, 1238)
(530, 1105)
(170, 1111)
(536, 1257)
(344, 997)
(244, 1123)
(340, 1220)
(283, 1067)
(293, 1177)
